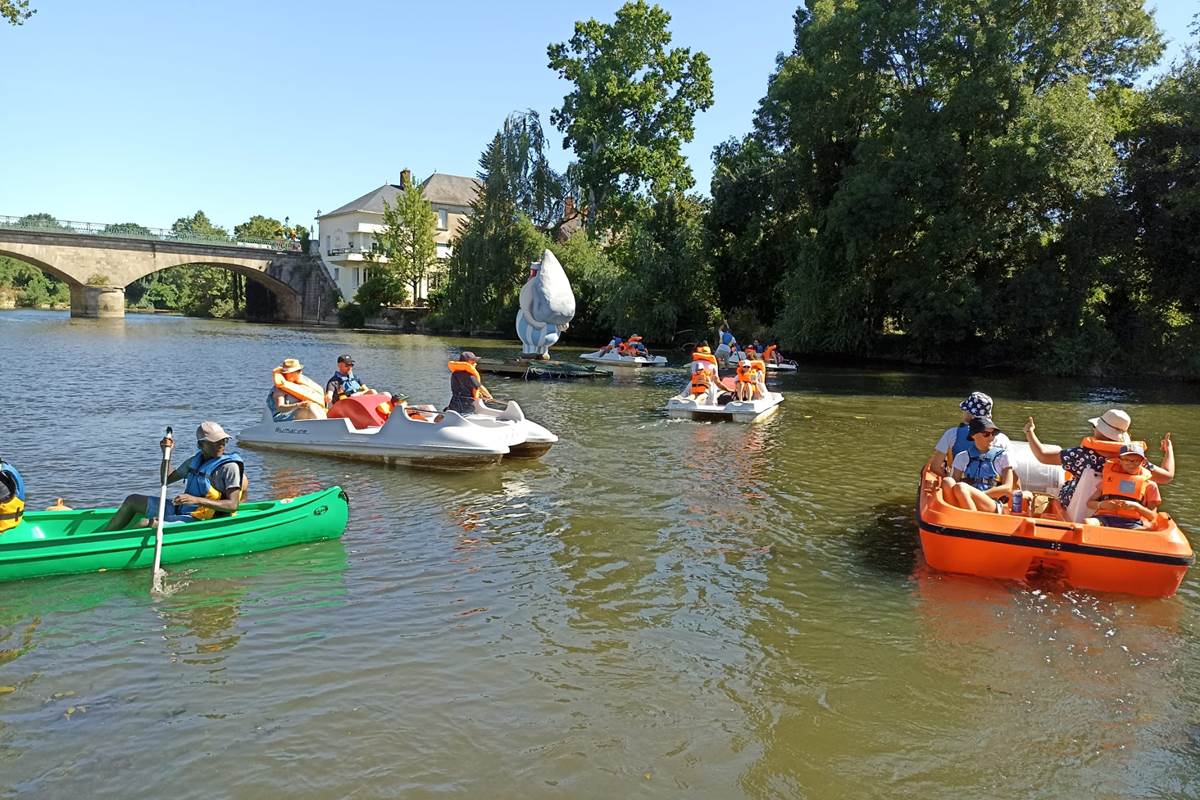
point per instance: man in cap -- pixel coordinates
(465, 384)
(955, 440)
(345, 384)
(1110, 431)
(215, 485)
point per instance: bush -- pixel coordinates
(351, 315)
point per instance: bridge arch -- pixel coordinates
(44, 266)
(277, 301)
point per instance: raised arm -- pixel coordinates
(1165, 472)
(1044, 453)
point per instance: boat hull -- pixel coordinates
(1149, 563)
(684, 407)
(66, 542)
(453, 443)
(631, 362)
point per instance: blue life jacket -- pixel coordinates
(981, 469)
(727, 339)
(962, 440)
(347, 385)
(199, 482)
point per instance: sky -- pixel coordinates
(144, 111)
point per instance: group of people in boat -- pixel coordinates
(728, 347)
(630, 348)
(214, 477)
(979, 476)
(705, 384)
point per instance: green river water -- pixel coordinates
(656, 608)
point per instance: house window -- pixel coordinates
(328, 244)
(435, 281)
(366, 274)
(443, 219)
(357, 275)
(335, 274)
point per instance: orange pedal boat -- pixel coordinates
(1147, 562)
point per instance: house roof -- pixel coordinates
(438, 188)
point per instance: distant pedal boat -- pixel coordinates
(684, 406)
(70, 541)
(613, 359)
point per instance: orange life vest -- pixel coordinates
(1118, 485)
(1104, 447)
(467, 366)
(759, 366)
(770, 351)
(709, 357)
(305, 389)
(746, 370)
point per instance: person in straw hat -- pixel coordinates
(295, 396)
(1110, 431)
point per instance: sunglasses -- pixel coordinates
(988, 434)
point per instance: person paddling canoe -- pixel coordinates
(215, 485)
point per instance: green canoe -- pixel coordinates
(61, 542)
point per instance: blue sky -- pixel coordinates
(146, 111)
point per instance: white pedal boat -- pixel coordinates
(782, 366)
(683, 406)
(526, 439)
(612, 359)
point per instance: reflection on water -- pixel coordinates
(656, 608)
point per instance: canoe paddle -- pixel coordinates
(156, 586)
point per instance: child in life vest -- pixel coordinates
(981, 477)
(1127, 496)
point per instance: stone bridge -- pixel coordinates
(98, 268)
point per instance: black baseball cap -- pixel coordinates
(345, 359)
(981, 424)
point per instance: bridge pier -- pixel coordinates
(98, 302)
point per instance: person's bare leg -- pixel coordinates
(132, 507)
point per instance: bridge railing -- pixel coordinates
(126, 230)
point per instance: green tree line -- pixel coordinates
(987, 183)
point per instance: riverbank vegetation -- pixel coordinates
(936, 183)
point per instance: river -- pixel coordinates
(657, 608)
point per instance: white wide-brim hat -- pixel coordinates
(1114, 424)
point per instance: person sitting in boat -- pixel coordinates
(1127, 496)
(772, 355)
(981, 477)
(705, 384)
(12, 496)
(747, 380)
(614, 343)
(345, 383)
(637, 348)
(1110, 431)
(295, 396)
(215, 485)
(726, 344)
(465, 384)
(760, 372)
(954, 440)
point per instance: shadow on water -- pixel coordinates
(887, 543)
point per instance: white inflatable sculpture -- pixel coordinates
(547, 307)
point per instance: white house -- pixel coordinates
(347, 232)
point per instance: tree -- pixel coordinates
(42, 221)
(198, 226)
(16, 11)
(130, 229)
(633, 104)
(664, 284)
(259, 227)
(537, 190)
(491, 255)
(912, 165)
(409, 237)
